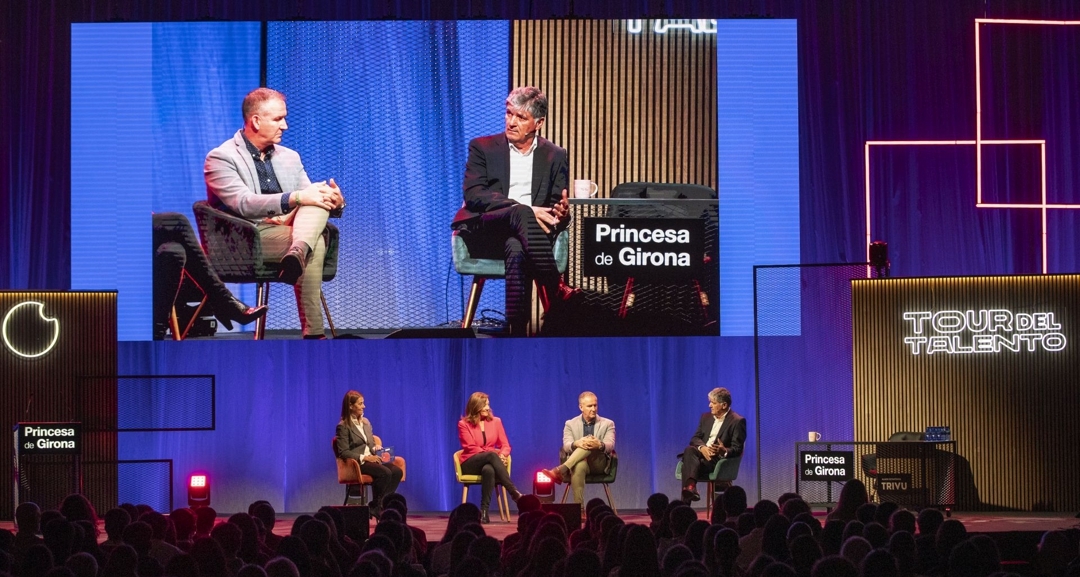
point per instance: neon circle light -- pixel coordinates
(41, 313)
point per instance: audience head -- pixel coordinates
(1055, 552)
(866, 513)
(949, 534)
(852, 496)
(115, 522)
(281, 567)
(879, 563)
(679, 520)
(28, 518)
(656, 506)
(582, 563)
(877, 535)
(675, 555)
(182, 565)
(138, 536)
(763, 511)
(528, 503)
(805, 552)
(123, 562)
(205, 517)
(36, 561)
(834, 566)
(263, 511)
(734, 501)
(855, 549)
(929, 520)
(75, 507)
(902, 520)
(82, 564)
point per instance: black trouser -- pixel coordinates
(176, 249)
(492, 472)
(384, 480)
(695, 467)
(514, 234)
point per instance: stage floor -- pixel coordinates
(434, 523)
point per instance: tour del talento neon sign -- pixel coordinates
(982, 332)
(4, 330)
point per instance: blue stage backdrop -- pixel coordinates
(278, 402)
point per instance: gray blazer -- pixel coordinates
(349, 444)
(575, 429)
(232, 183)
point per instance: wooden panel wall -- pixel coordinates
(1013, 414)
(627, 107)
(42, 389)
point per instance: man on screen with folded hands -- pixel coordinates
(252, 176)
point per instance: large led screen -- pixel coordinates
(387, 109)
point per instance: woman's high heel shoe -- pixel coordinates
(234, 310)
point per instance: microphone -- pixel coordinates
(29, 402)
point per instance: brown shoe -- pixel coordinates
(554, 475)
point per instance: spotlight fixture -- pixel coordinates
(544, 487)
(198, 493)
(879, 258)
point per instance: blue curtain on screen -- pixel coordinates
(387, 110)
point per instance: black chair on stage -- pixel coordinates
(604, 479)
(235, 250)
(868, 461)
(722, 477)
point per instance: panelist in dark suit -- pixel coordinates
(356, 441)
(252, 176)
(721, 434)
(485, 450)
(515, 203)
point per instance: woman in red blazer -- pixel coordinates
(484, 450)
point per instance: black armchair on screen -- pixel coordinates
(664, 191)
(235, 250)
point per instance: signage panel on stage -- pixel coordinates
(48, 438)
(826, 465)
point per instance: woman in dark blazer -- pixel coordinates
(485, 450)
(356, 441)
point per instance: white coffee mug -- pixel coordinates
(813, 436)
(585, 189)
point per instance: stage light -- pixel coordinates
(198, 493)
(879, 257)
(544, 487)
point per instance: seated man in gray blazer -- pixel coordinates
(252, 176)
(589, 443)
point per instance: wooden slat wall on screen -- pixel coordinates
(627, 107)
(1013, 415)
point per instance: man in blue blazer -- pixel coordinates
(721, 434)
(588, 444)
(515, 202)
(252, 176)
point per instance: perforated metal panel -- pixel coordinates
(803, 360)
(387, 110)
